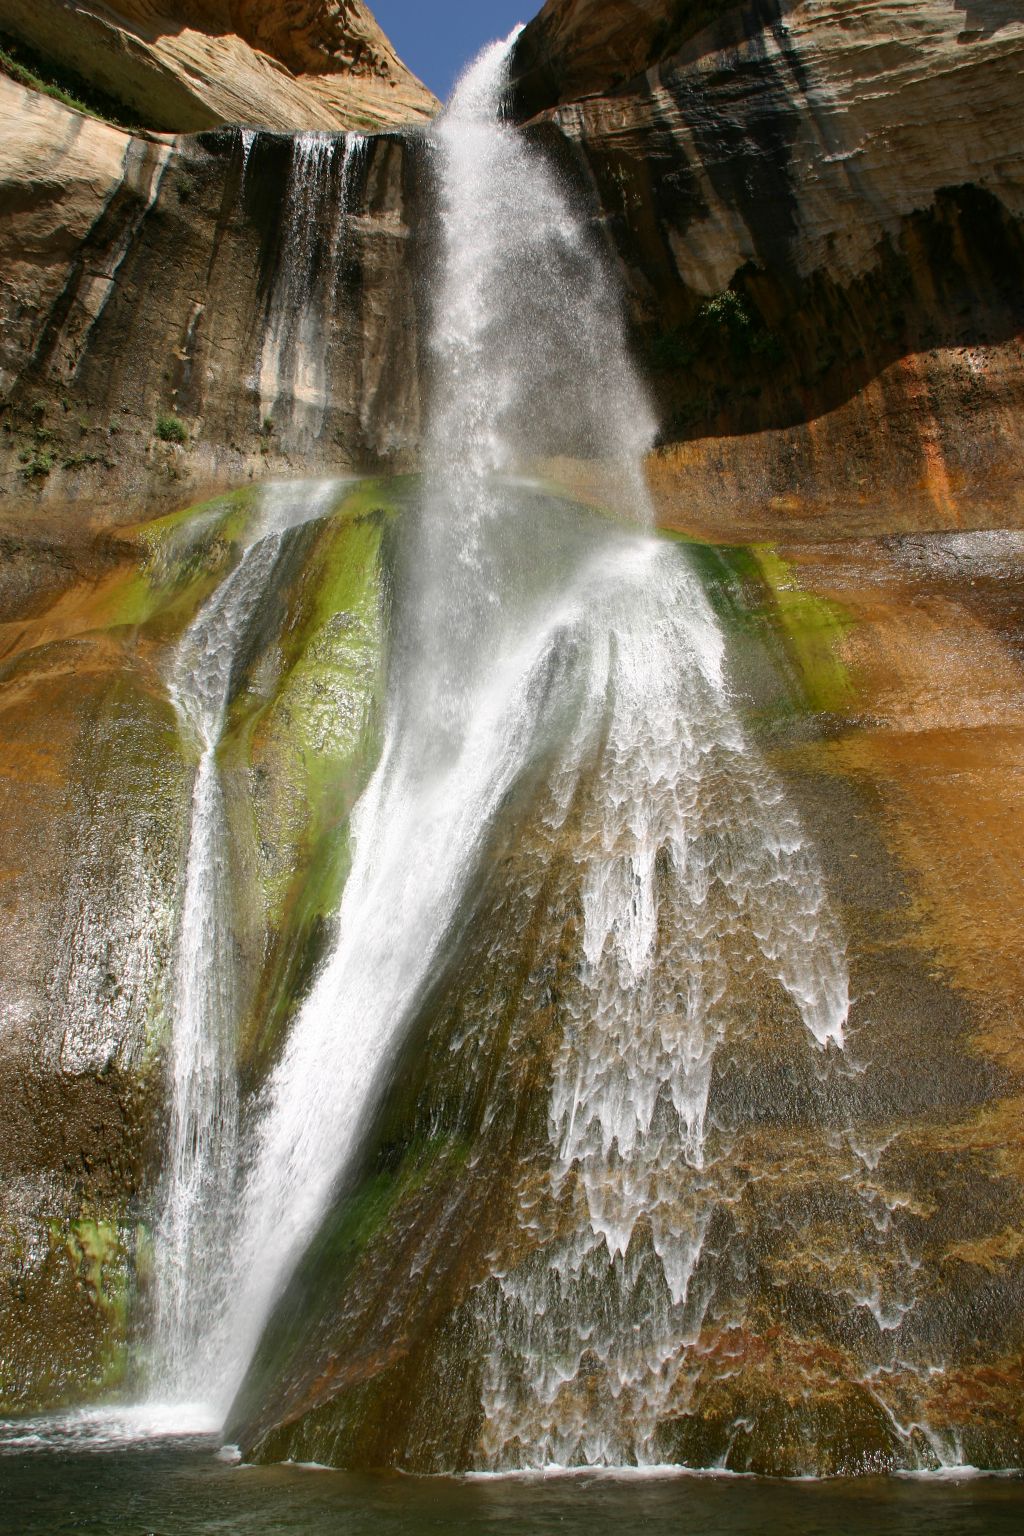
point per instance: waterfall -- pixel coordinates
(291, 374)
(202, 1145)
(692, 876)
(509, 654)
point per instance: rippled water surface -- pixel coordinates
(182, 1489)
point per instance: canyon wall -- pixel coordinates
(816, 208)
(186, 65)
(816, 211)
(257, 291)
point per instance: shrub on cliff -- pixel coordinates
(170, 429)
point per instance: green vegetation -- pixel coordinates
(375, 1203)
(308, 740)
(811, 629)
(81, 460)
(392, 1197)
(302, 726)
(32, 437)
(184, 555)
(724, 324)
(36, 463)
(41, 447)
(30, 69)
(171, 429)
(101, 1259)
(757, 597)
(79, 1285)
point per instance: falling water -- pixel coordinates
(292, 372)
(506, 654)
(201, 1162)
(692, 876)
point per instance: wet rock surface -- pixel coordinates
(96, 779)
(855, 1302)
(816, 212)
(154, 349)
(881, 681)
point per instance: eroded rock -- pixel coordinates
(816, 210)
(183, 67)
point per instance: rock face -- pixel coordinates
(94, 801)
(261, 290)
(848, 1314)
(96, 774)
(816, 209)
(283, 64)
(817, 212)
(579, 48)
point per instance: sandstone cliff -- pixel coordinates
(578, 48)
(817, 210)
(185, 65)
(257, 289)
(96, 774)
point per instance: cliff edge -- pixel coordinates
(186, 65)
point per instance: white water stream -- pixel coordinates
(202, 1148)
(693, 875)
(292, 369)
(497, 658)
(514, 646)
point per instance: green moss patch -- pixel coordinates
(184, 555)
(757, 599)
(812, 630)
(301, 741)
(67, 1340)
(725, 324)
(171, 429)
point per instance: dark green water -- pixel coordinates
(181, 1489)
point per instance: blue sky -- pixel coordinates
(437, 37)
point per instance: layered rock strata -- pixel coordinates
(186, 65)
(258, 292)
(816, 209)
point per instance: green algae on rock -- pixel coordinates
(816, 214)
(396, 1302)
(97, 777)
(301, 740)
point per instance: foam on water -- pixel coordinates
(105, 1429)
